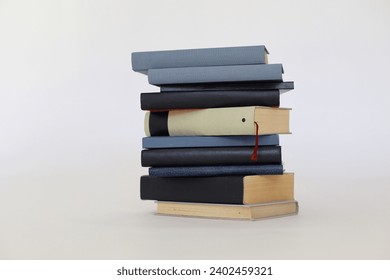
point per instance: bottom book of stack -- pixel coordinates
(228, 211)
(231, 197)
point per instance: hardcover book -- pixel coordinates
(281, 86)
(219, 189)
(211, 156)
(208, 99)
(227, 170)
(218, 121)
(158, 142)
(212, 74)
(228, 211)
(143, 61)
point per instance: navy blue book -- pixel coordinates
(227, 170)
(281, 86)
(158, 142)
(211, 156)
(143, 61)
(209, 99)
(212, 74)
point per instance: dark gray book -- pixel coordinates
(228, 170)
(211, 156)
(143, 61)
(209, 99)
(157, 142)
(212, 74)
(281, 86)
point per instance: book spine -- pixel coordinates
(160, 142)
(201, 122)
(142, 61)
(208, 99)
(211, 156)
(195, 171)
(235, 73)
(282, 86)
(217, 189)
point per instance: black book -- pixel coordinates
(211, 156)
(282, 86)
(219, 189)
(209, 99)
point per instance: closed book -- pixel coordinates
(143, 61)
(226, 170)
(240, 189)
(208, 99)
(281, 86)
(211, 74)
(218, 121)
(158, 142)
(211, 156)
(228, 211)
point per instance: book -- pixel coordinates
(228, 211)
(211, 156)
(212, 74)
(238, 189)
(143, 61)
(157, 142)
(209, 99)
(281, 86)
(227, 170)
(218, 121)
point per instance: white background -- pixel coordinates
(71, 128)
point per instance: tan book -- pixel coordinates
(218, 121)
(228, 211)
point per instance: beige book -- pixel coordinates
(228, 211)
(268, 188)
(220, 121)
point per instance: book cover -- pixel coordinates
(158, 142)
(143, 61)
(211, 156)
(209, 99)
(238, 189)
(218, 121)
(210, 74)
(227, 170)
(281, 86)
(228, 211)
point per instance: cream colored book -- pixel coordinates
(228, 211)
(218, 121)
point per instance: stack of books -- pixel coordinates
(212, 133)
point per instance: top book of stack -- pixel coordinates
(209, 65)
(203, 66)
(247, 55)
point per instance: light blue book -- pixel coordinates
(157, 142)
(216, 74)
(143, 61)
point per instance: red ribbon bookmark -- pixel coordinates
(254, 154)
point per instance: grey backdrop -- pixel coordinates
(71, 128)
